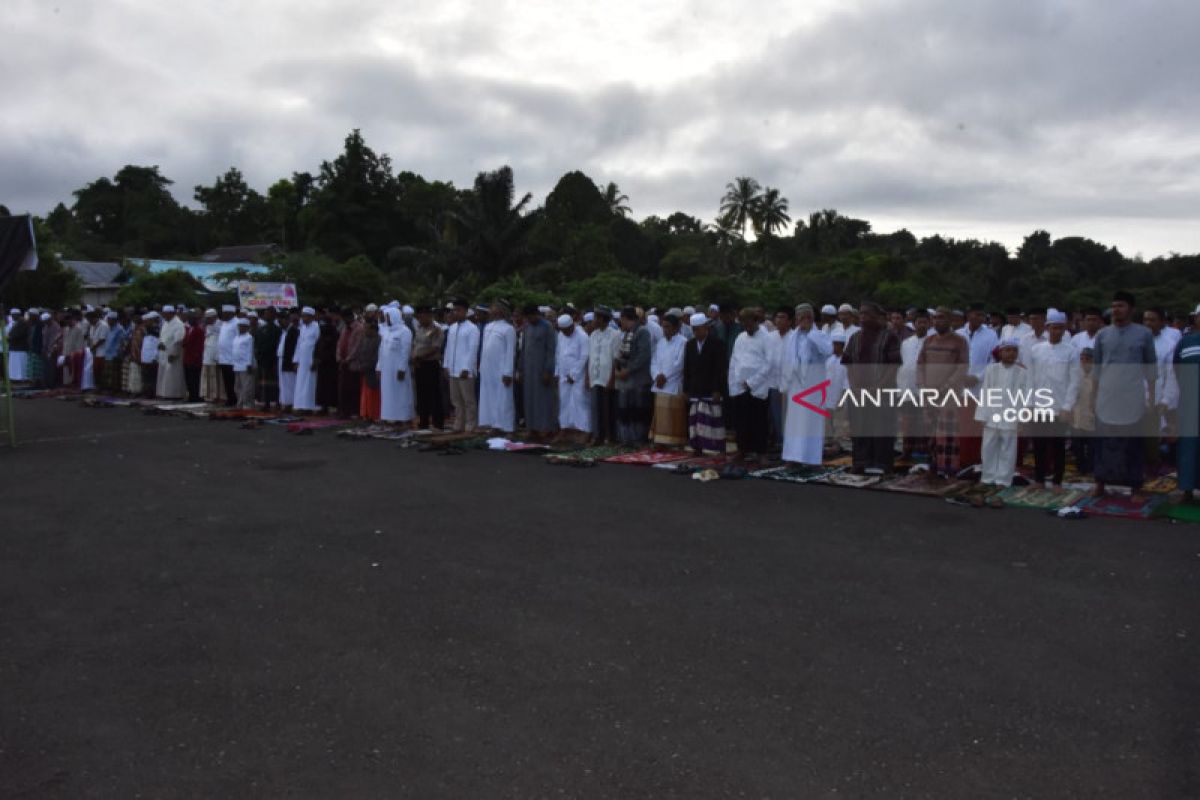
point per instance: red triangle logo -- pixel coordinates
(820, 409)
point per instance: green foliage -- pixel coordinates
(146, 289)
(428, 239)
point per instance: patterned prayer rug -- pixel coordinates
(647, 458)
(1123, 507)
(1038, 497)
(800, 473)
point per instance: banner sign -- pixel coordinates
(266, 295)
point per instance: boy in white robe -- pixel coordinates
(570, 368)
(1004, 384)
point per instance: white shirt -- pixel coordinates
(603, 346)
(570, 356)
(1026, 345)
(667, 360)
(243, 352)
(1056, 367)
(149, 354)
(910, 348)
(1166, 389)
(750, 365)
(775, 354)
(98, 334)
(980, 346)
(225, 339)
(462, 343)
(1082, 340)
(1015, 331)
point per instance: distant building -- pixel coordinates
(99, 279)
(242, 253)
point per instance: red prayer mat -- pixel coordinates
(1122, 507)
(315, 424)
(647, 457)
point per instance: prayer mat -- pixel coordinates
(596, 453)
(1180, 512)
(316, 424)
(102, 402)
(838, 461)
(800, 473)
(283, 420)
(647, 457)
(967, 489)
(701, 462)
(447, 438)
(1037, 497)
(241, 413)
(918, 483)
(1122, 507)
(1164, 484)
(384, 432)
(849, 480)
(524, 447)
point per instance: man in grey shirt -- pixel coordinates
(1125, 369)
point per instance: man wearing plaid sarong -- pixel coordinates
(942, 365)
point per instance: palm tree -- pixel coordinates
(725, 234)
(495, 228)
(740, 202)
(616, 201)
(771, 212)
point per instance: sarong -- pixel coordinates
(706, 426)
(633, 415)
(1120, 455)
(670, 420)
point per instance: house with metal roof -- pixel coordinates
(101, 280)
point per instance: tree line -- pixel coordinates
(357, 230)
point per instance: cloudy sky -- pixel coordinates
(973, 118)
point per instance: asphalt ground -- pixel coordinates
(189, 609)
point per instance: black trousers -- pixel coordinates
(873, 437)
(604, 414)
(349, 385)
(750, 422)
(431, 403)
(191, 378)
(1049, 447)
(149, 379)
(230, 387)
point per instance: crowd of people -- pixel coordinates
(710, 379)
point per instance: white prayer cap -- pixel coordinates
(228, 309)
(251, 315)
(1056, 317)
(371, 307)
(653, 318)
(408, 310)
(673, 311)
(308, 310)
(394, 304)
(243, 321)
(16, 312)
(111, 315)
(545, 309)
(845, 307)
(838, 338)
(1010, 342)
(470, 313)
(714, 307)
(829, 309)
(689, 310)
(212, 312)
(931, 311)
(88, 309)
(589, 316)
(150, 315)
(699, 320)
(44, 317)
(565, 321)
(168, 309)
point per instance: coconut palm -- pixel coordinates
(616, 201)
(495, 228)
(771, 214)
(740, 202)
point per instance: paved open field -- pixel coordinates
(191, 609)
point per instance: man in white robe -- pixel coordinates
(171, 384)
(306, 367)
(395, 377)
(497, 361)
(212, 389)
(570, 368)
(225, 337)
(802, 366)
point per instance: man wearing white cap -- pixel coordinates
(1054, 367)
(604, 343)
(212, 387)
(829, 320)
(750, 378)
(97, 335)
(306, 367)
(704, 376)
(225, 336)
(171, 384)
(243, 363)
(497, 363)
(803, 358)
(460, 363)
(570, 369)
(148, 357)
